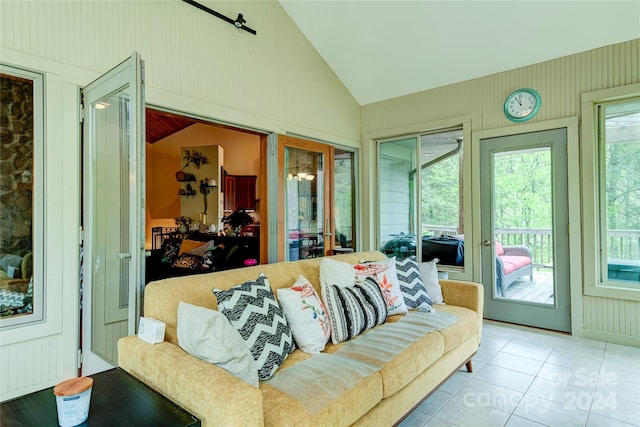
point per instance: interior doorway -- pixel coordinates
(239, 153)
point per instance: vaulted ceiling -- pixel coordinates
(385, 49)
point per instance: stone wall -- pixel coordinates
(16, 157)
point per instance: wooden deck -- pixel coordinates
(540, 290)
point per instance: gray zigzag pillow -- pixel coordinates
(413, 289)
(253, 310)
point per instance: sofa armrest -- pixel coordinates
(464, 294)
(210, 393)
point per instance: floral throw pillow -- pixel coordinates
(170, 250)
(305, 315)
(192, 262)
(384, 272)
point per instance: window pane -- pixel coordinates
(620, 215)
(441, 198)
(397, 170)
(304, 192)
(18, 142)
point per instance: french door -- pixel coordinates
(113, 212)
(304, 199)
(524, 229)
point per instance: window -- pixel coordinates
(420, 194)
(618, 131)
(21, 152)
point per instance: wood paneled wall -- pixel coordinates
(560, 83)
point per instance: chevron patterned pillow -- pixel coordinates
(253, 310)
(413, 289)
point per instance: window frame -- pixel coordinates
(38, 214)
(594, 256)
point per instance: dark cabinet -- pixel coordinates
(229, 192)
(239, 192)
(246, 192)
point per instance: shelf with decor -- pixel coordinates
(188, 190)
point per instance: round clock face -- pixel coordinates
(522, 105)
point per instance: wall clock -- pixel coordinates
(522, 105)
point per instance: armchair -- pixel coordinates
(512, 262)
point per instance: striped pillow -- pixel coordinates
(354, 309)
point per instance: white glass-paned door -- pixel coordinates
(113, 168)
(524, 229)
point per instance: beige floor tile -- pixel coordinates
(550, 413)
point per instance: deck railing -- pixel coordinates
(622, 244)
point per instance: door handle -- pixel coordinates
(487, 243)
(123, 255)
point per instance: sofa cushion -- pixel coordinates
(429, 275)
(202, 248)
(402, 349)
(465, 328)
(188, 245)
(306, 315)
(384, 272)
(208, 335)
(413, 291)
(327, 395)
(253, 310)
(513, 262)
(353, 310)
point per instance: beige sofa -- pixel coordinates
(218, 398)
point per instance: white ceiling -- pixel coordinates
(386, 49)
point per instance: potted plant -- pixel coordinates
(237, 219)
(195, 157)
(183, 223)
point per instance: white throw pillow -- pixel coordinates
(305, 315)
(384, 272)
(337, 273)
(429, 274)
(208, 335)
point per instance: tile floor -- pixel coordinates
(530, 377)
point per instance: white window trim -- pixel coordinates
(590, 189)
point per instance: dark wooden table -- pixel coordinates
(117, 399)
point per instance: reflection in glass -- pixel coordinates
(111, 223)
(344, 187)
(304, 194)
(397, 210)
(17, 144)
(442, 232)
